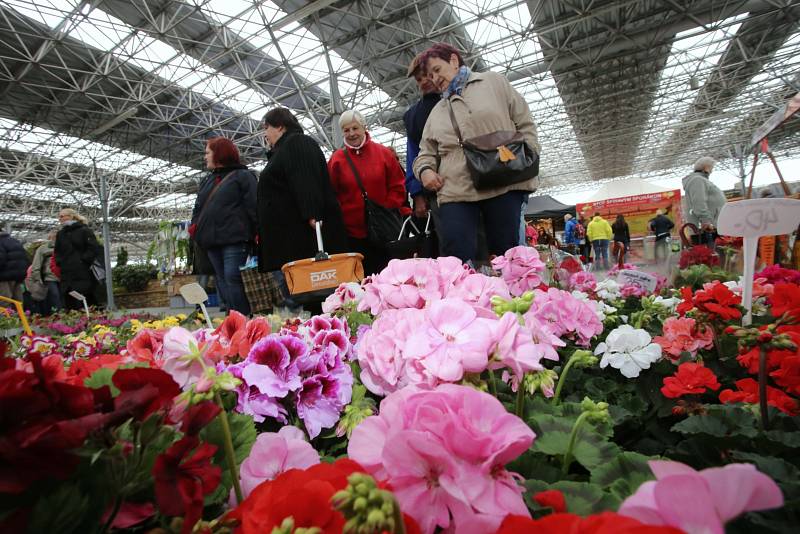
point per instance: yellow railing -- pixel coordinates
(18, 305)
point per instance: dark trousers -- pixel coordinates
(51, 301)
(460, 220)
(375, 258)
(226, 261)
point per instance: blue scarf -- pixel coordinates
(457, 84)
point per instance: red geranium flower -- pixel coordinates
(717, 300)
(552, 499)
(198, 416)
(686, 305)
(786, 299)
(83, 368)
(303, 494)
(604, 523)
(748, 392)
(788, 376)
(144, 383)
(183, 478)
(689, 379)
(698, 255)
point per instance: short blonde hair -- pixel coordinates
(660, 211)
(705, 164)
(74, 215)
(567, 217)
(351, 115)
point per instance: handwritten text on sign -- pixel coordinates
(642, 280)
(759, 217)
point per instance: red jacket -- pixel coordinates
(381, 174)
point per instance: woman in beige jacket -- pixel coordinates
(482, 102)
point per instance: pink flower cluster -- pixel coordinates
(564, 315)
(683, 334)
(701, 501)
(304, 371)
(444, 451)
(521, 269)
(775, 274)
(582, 281)
(344, 295)
(417, 282)
(444, 341)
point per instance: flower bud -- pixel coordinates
(730, 329)
(366, 507)
(765, 337)
(542, 380)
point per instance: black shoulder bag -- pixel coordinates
(497, 159)
(383, 224)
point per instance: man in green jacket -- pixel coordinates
(599, 233)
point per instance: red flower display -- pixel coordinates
(689, 379)
(552, 499)
(686, 305)
(786, 300)
(749, 359)
(83, 368)
(183, 476)
(748, 392)
(698, 255)
(604, 523)
(42, 419)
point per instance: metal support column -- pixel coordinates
(106, 242)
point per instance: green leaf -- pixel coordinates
(789, 439)
(623, 475)
(720, 421)
(583, 498)
(100, 378)
(62, 511)
(243, 434)
(778, 469)
(591, 448)
(532, 465)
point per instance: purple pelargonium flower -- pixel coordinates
(317, 403)
(250, 400)
(269, 366)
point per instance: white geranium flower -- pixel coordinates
(601, 309)
(670, 303)
(628, 349)
(608, 289)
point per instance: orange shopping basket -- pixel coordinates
(313, 279)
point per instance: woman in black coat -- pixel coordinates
(294, 192)
(75, 250)
(224, 219)
(622, 234)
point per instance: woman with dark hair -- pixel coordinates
(294, 192)
(482, 103)
(224, 219)
(379, 173)
(622, 236)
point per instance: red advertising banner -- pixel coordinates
(637, 210)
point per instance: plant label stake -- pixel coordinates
(78, 296)
(195, 294)
(751, 219)
(644, 281)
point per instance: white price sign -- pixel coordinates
(642, 280)
(751, 219)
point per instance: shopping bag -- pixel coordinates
(263, 290)
(313, 279)
(412, 241)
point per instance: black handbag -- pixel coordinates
(383, 224)
(413, 241)
(497, 159)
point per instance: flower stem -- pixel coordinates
(562, 379)
(399, 524)
(492, 382)
(229, 454)
(573, 436)
(762, 387)
(112, 515)
(520, 406)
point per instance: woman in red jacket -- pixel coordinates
(381, 175)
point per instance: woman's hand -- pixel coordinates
(431, 180)
(312, 223)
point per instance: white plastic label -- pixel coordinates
(645, 281)
(752, 219)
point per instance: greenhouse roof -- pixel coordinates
(131, 89)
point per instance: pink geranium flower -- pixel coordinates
(444, 451)
(566, 315)
(682, 334)
(451, 341)
(182, 358)
(521, 269)
(515, 347)
(478, 290)
(146, 345)
(701, 501)
(274, 453)
(582, 281)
